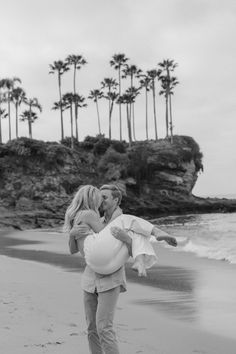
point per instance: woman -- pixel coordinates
(103, 252)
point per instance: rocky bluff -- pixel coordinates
(38, 179)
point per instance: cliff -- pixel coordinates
(38, 179)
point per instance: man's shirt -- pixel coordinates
(92, 281)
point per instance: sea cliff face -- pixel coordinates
(38, 179)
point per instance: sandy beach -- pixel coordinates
(186, 305)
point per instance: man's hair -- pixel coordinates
(115, 191)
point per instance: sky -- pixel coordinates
(200, 35)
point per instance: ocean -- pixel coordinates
(206, 235)
(206, 260)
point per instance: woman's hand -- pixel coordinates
(170, 240)
(80, 231)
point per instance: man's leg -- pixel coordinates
(90, 306)
(107, 301)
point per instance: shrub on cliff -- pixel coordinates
(189, 150)
(114, 164)
(49, 153)
(99, 144)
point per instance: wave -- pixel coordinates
(222, 254)
(206, 235)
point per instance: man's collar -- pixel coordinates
(117, 212)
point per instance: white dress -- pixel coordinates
(105, 254)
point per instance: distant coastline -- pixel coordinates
(219, 196)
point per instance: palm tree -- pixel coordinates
(165, 93)
(173, 83)
(133, 72)
(168, 84)
(153, 74)
(109, 84)
(96, 95)
(76, 61)
(30, 115)
(2, 112)
(79, 103)
(60, 68)
(127, 98)
(18, 96)
(57, 105)
(118, 61)
(68, 100)
(112, 96)
(3, 115)
(8, 85)
(145, 82)
(132, 92)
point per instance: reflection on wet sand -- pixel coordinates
(174, 293)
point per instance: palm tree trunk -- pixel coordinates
(74, 79)
(9, 115)
(99, 125)
(0, 127)
(0, 122)
(109, 118)
(154, 109)
(171, 122)
(30, 124)
(146, 96)
(62, 125)
(128, 124)
(133, 121)
(120, 106)
(167, 118)
(131, 83)
(71, 127)
(75, 105)
(76, 126)
(110, 115)
(16, 120)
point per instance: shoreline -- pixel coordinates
(40, 219)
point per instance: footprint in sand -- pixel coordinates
(73, 325)
(74, 334)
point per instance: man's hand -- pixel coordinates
(80, 231)
(168, 239)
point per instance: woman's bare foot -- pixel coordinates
(139, 267)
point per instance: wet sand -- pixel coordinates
(185, 305)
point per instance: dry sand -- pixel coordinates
(42, 310)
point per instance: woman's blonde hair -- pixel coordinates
(87, 197)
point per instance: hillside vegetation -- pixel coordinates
(38, 179)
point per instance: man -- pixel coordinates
(101, 292)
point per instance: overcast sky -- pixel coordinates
(200, 35)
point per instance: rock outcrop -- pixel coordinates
(38, 179)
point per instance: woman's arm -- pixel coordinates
(164, 236)
(122, 235)
(89, 220)
(73, 246)
(92, 219)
